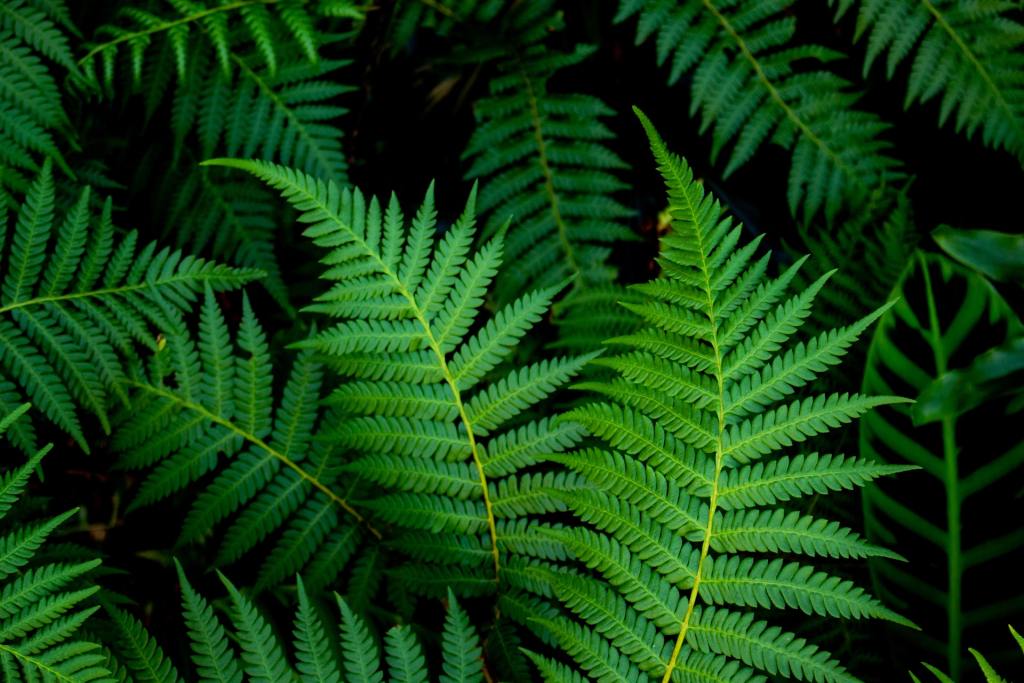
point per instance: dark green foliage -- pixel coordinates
(77, 302)
(991, 675)
(42, 604)
(619, 481)
(965, 54)
(751, 86)
(248, 648)
(206, 405)
(438, 423)
(34, 54)
(943, 313)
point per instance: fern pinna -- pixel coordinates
(76, 302)
(751, 85)
(683, 509)
(206, 405)
(41, 602)
(945, 315)
(967, 54)
(249, 649)
(443, 436)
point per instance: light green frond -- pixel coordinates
(713, 384)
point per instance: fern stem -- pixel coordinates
(773, 92)
(980, 68)
(952, 485)
(97, 293)
(259, 443)
(168, 25)
(474, 449)
(719, 449)
(549, 180)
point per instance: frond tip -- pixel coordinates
(682, 505)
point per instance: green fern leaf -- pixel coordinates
(967, 56)
(206, 406)
(689, 562)
(445, 442)
(42, 601)
(71, 318)
(750, 85)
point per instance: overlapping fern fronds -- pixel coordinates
(248, 646)
(967, 55)
(76, 302)
(544, 163)
(230, 218)
(263, 93)
(685, 514)
(448, 441)
(205, 416)
(41, 603)
(753, 83)
(33, 123)
(945, 316)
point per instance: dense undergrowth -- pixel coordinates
(491, 340)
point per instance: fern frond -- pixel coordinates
(944, 315)
(751, 86)
(447, 442)
(544, 164)
(207, 406)
(74, 306)
(673, 502)
(42, 602)
(968, 56)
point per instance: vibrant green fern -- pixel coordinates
(249, 649)
(751, 85)
(41, 604)
(445, 438)
(683, 515)
(943, 315)
(968, 54)
(75, 303)
(206, 405)
(33, 122)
